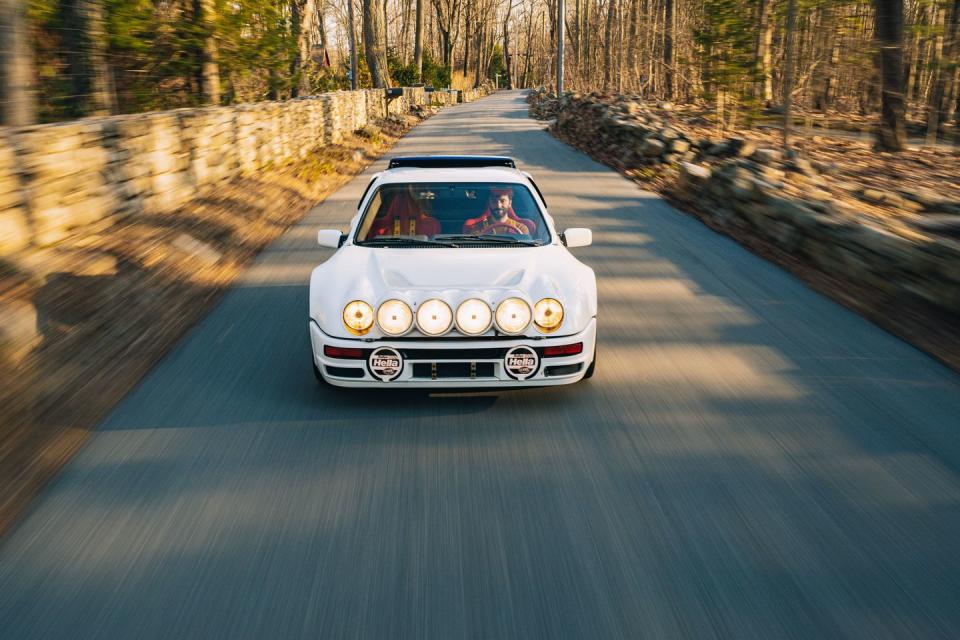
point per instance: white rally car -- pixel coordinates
(452, 275)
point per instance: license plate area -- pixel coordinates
(447, 370)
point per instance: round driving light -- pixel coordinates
(547, 315)
(474, 317)
(358, 317)
(513, 315)
(434, 317)
(394, 317)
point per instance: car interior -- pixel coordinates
(452, 204)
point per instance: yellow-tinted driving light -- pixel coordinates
(394, 317)
(434, 317)
(358, 317)
(548, 315)
(474, 317)
(513, 316)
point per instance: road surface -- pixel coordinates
(750, 461)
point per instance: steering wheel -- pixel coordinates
(507, 230)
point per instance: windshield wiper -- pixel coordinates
(394, 240)
(493, 238)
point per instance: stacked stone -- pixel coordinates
(62, 168)
(625, 133)
(739, 186)
(14, 226)
(747, 193)
(57, 178)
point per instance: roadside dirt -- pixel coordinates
(122, 296)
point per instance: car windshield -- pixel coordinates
(452, 214)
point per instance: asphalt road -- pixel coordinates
(750, 461)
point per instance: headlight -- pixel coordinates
(547, 315)
(394, 317)
(434, 317)
(358, 317)
(473, 317)
(513, 315)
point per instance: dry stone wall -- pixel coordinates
(59, 178)
(739, 186)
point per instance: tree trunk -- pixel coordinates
(765, 50)
(352, 39)
(321, 26)
(828, 85)
(507, 58)
(608, 45)
(418, 42)
(204, 15)
(374, 43)
(891, 132)
(788, 70)
(104, 98)
(945, 73)
(525, 78)
(587, 49)
(632, 41)
(17, 95)
(466, 40)
(306, 38)
(476, 72)
(669, 22)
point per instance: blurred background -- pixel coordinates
(850, 60)
(150, 148)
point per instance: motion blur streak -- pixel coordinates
(750, 461)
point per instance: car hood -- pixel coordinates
(452, 275)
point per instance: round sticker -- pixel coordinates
(521, 363)
(385, 364)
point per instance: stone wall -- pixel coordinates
(786, 200)
(58, 178)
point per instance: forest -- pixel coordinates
(893, 61)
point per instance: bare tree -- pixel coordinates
(16, 66)
(669, 20)
(205, 15)
(946, 73)
(765, 49)
(507, 57)
(418, 42)
(891, 132)
(788, 70)
(374, 36)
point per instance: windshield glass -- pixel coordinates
(452, 214)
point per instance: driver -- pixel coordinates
(404, 217)
(499, 218)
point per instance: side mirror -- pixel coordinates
(577, 237)
(330, 238)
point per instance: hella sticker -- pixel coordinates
(385, 364)
(521, 363)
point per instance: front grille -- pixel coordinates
(442, 370)
(454, 354)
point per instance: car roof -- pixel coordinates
(460, 174)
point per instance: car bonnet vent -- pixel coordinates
(451, 162)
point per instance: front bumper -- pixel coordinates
(454, 364)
